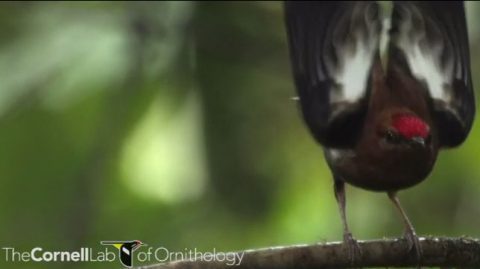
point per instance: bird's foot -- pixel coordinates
(353, 249)
(413, 243)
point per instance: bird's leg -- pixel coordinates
(353, 250)
(410, 235)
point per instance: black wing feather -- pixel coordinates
(430, 40)
(332, 47)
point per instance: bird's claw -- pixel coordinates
(353, 248)
(413, 243)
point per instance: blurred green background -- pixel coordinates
(172, 123)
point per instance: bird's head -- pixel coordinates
(406, 129)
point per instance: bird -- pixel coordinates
(125, 250)
(381, 111)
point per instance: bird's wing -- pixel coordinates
(429, 39)
(333, 45)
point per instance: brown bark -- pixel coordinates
(437, 251)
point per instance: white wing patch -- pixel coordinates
(355, 56)
(424, 60)
(355, 71)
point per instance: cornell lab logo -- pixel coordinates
(125, 250)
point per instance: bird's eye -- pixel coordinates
(392, 137)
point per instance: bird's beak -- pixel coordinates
(417, 140)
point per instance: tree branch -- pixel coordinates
(437, 251)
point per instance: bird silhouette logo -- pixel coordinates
(125, 250)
